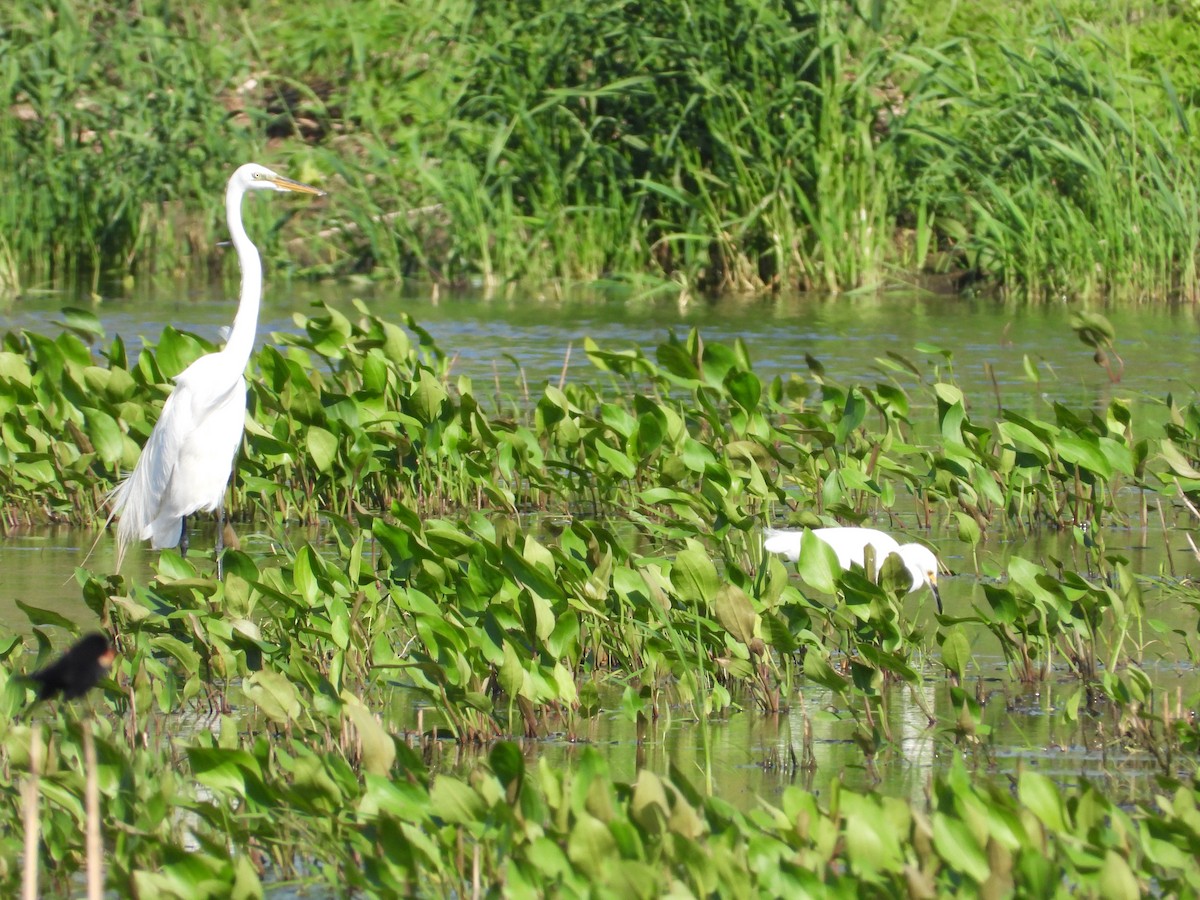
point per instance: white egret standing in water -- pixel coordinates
(850, 546)
(185, 465)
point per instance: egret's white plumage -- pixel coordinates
(187, 461)
(850, 546)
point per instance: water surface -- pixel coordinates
(1159, 345)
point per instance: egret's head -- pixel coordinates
(253, 177)
(922, 565)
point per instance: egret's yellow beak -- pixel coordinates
(287, 184)
(937, 595)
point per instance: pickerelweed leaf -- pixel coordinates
(956, 651)
(1083, 450)
(817, 563)
(274, 694)
(378, 750)
(322, 447)
(1040, 796)
(427, 397)
(649, 806)
(223, 769)
(176, 351)
(957, 847)
(38, 616)
(455, 802)
(106, 436)
(694, 576)
(507, 761)
(1177, 461)
(184, 654)
(590, 844)
(735, 612)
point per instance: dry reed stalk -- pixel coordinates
(29, 792)
(95, 849)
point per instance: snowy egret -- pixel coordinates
(850, 546)
(188, 459)
(78, 670)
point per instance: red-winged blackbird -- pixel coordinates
(78, 670)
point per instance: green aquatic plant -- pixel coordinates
(483, 577)
(225, 812)
(507, 565)
(355, 414)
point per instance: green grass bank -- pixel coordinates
(1046, 150)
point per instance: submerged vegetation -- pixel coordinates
(828, 144)
(522, 566)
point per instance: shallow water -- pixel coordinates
(1159, 345)
(746, 756)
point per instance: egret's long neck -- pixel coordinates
(245, 323)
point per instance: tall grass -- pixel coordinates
(112, 126)
(817, 145)
(1046, 173)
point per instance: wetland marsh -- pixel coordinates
(495, 617)
(547, 581)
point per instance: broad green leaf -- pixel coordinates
(957, 847)
(221, 769)
(816, 669)
(956, 651)
(427, 397)
(106, 436)
(339, 622)
(38, 616)
(618, 461)
(853, 413)
(1116, 879)
(591, 845)
(303, 575)
(378, 750)
(968, 528)
(82, 321)
(735, 612)
(817, 563)
(187, 657)
(649, 806)
(1039, 795)
(1084, 451)
(322, 447)
(694, 576)
(745, 389)
(507, 762)
(273, 694)
(455, 802)
(871, 843)
(1176, 460)
(176, 351)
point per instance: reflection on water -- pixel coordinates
(747, 757)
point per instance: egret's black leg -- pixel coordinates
(220, 548)
(183, 537)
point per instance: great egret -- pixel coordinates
(78, 670)
(850, 546)
(188, 459)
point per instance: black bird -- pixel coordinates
(78, 670)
